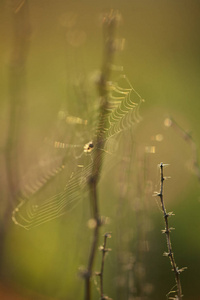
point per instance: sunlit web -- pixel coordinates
(122, 114)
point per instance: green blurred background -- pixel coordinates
(161, 60)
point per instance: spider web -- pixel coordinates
(122, 114)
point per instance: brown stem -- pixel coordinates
(93, 195)
(167, 233)
(109, 23)
(104, 251)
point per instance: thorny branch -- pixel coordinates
(167, 231)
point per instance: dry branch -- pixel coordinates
(109, 25)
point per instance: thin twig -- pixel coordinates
(101, 273)
(109, 23)
(167, 231)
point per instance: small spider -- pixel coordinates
(88, 147)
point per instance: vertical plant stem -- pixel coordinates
(17, 89)
(109, 25)
(93, 195)
(19, 15)
(104, 251)
(167, 233)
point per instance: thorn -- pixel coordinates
(179, 271)
(169, 214)
(162, 165)
(171, 228)
(108, 249)
(167, 177)
(167, 231)
(108, 235)
(156, 194)
(101, 248)
(183, 269)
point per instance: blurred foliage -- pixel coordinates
(161, 59)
